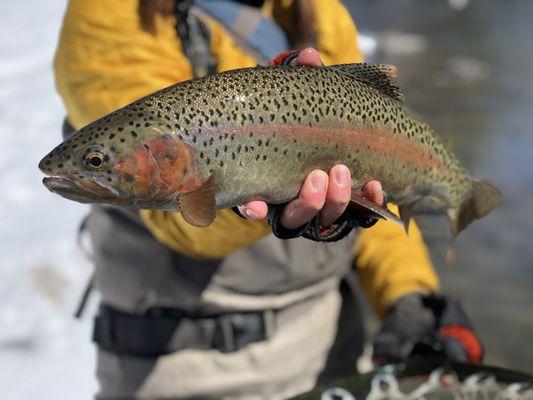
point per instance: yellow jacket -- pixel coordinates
(105, 60)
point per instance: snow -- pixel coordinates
(44, 352)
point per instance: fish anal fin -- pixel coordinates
(373, 209)
(198, 207)
(382, 77)
(406, 213)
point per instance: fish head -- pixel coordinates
(114, 162)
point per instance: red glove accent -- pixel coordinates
(281, 57)
(468, 340)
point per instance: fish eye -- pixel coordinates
(94, 158)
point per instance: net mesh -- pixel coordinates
(442, 383)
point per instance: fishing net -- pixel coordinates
(444, 384)
(424, 380)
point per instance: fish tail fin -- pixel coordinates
(483, 198)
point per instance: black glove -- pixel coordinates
(350, 219)
(430, 324)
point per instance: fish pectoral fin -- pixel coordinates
(406, 213)
(373, 209)
(198, 207)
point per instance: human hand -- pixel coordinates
(321, 193)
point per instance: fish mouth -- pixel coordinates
(86, 191)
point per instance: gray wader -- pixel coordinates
(268, 321)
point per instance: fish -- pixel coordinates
(255, 134)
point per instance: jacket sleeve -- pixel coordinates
(336, 34)
(104, 61)
(391, 264)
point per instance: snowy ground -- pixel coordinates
(44, 352)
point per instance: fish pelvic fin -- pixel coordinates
(372, 209)
(198, 207)
(484, 197)
(382, 77)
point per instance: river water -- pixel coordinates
(468, 73)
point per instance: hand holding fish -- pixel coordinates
(321, 193)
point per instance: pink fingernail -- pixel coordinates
(250, 214)
(319, 182)
(342, 175)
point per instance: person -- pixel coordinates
(231, 310)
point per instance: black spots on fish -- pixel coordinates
(299, 155)
(221, 163)
(109, 172)
(133, 134)
(272, 117)
(122, 140)
(233, 156)
(120, 128)
(264, 157)
(285, 152)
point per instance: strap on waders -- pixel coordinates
(161, 331)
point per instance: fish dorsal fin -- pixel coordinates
(382, 77)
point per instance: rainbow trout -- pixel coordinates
(255, 134)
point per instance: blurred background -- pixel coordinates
(465, 68)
